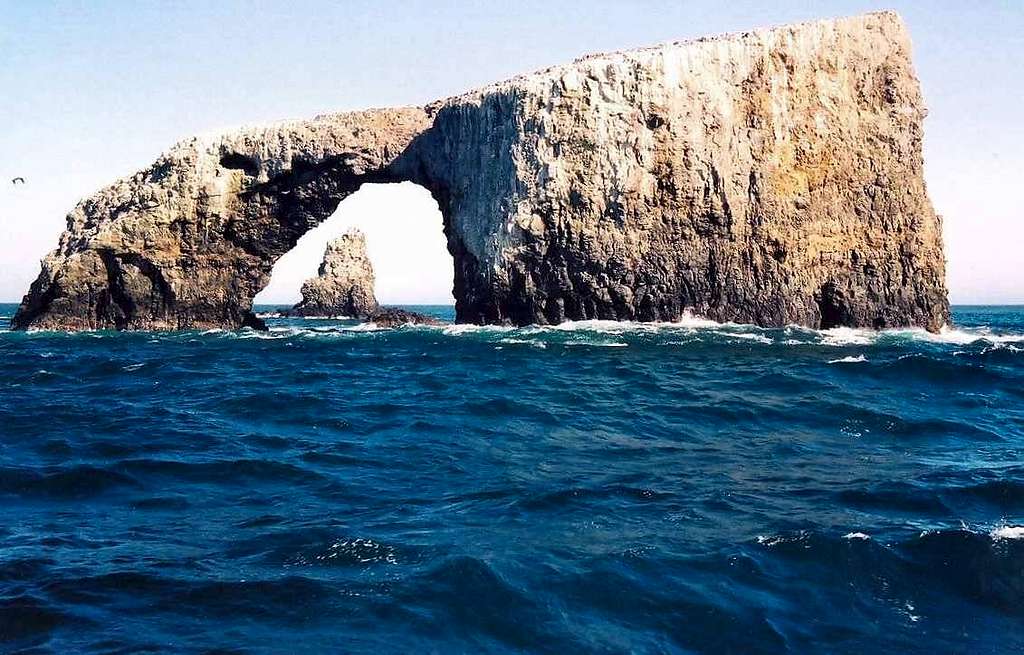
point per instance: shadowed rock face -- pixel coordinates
(772, 177)
(393, 317)
(344, 284)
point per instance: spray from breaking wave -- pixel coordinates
(689, 329)
(602, 333)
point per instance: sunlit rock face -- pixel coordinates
(773, 177)
(343, 286)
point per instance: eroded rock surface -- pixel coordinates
(772, 177)
(344, 285)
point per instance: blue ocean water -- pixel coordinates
(592, 487)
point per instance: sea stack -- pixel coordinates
(344, 284)
(772, 177)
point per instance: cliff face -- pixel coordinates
(344, 284)
(772, 177)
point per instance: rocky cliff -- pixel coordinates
(344, 283)
(770, 177)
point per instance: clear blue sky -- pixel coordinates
(95, 90)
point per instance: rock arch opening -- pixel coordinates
(404, 240)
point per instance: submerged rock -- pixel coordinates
(771, 177)
(392, 317)
(344, 285)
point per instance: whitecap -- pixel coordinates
(687, 321)
(908, 611)
(533, 343)
(600, 326)
(133, 367)
(774, 540)
(1008, 532)
(470, 328)
(856, 535)
(849, 359)
(844, 336)
(760, 338)
(956, 336)
(264, 335)
(950, 335)
(690, 320)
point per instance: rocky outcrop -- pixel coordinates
(771, 177)
(393, 317)
(344, 284)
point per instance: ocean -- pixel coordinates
(593, 487)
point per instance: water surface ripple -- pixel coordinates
(592, 487)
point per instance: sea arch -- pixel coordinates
(403, 233)
(773, 177)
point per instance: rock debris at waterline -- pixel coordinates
(770, 177)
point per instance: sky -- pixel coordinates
(92, 91)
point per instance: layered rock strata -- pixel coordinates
(772, 177)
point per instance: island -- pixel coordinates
(771, 177)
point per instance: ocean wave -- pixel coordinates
(971, 565)
(26, 616)
(688, 321)
(844, 336)
(331, 487)
(1007, 532)
(849, 359)
(356, 551)
(809, 539)
(62, 483)
(692, 327)
(278, 599)
(597, 344)
(856, 535)
(459, 329)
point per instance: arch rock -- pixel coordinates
(772, 177)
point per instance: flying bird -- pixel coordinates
(18, 180)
